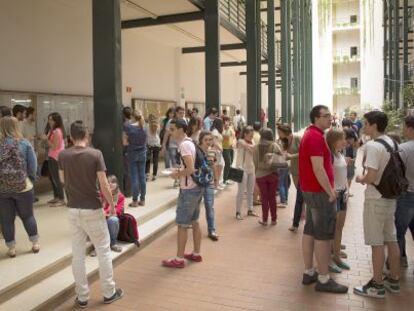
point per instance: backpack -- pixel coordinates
(393, 181)
(128, 229)
(13, 173)
(203, 175)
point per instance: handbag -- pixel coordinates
(275, 160)
(236, 174)
(44, 171)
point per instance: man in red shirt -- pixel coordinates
(317, 184)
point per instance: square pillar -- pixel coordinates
(271, 64)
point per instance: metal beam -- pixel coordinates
(396, 59)
(235, 31)
(223, 47)
(107, 84)
(406, 48)
(242, 63)
(296, 63)
(386, 42)
(212, 59)
(286, 58)
(163, 20)
(390, 49)
(271, 57)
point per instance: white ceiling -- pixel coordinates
(133, 9)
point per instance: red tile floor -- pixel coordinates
(250, 268)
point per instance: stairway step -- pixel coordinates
(49, 292)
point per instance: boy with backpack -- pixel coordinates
(385, 180)
(188, 204)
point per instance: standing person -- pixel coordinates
(188, 204)
(135, 138)
(379, 226)
(206, 142)
(217, 131)
(193, 129)
(29, 126)
(80, 167)
(266, 178)
(244, 161)
(404, 214)
(350, 154)
(153, 146)
(18, 167)
(19, 112)
(357, 123)
(55, 139)
(336, 142)
(290, 144)
(239, 122)
(126, 118)
(229, 138)
(317, 184)
(256, 139)
(209, 119)
(169, 115)
(5, 111)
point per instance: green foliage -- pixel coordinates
(395, 117)
(324, 14)
(408, 94)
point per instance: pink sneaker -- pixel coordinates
(192, 257)
(173, 263)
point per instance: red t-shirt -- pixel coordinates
(313, 144)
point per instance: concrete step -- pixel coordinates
(50, 291)
(27, 270)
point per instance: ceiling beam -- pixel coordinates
(265, 9)
(223, 47)
(162, 20)
(233, 64)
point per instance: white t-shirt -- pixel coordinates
(187, 148)
(377, 157)
(340, 172)
(244, 160)
(29, 131)
(407, 155)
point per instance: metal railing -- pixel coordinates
(235, 12)
(344, 57)
(345, 24)
(346, 90)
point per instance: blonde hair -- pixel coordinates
(9, 127)
(333, 136)
(153, 123)
(137, 115)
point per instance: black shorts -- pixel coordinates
(320, 216)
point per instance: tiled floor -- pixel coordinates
(250, 268)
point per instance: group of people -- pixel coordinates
(199, 156)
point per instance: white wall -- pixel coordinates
(372, 72)
(322, 60)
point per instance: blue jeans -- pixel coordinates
(188, 206)
(404, 215)
(298, 207)
(208, 197)
(12, 204)
(138, 183)
(284, 183)
(113, 228)
(172, 155)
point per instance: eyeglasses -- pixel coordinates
(327, 115)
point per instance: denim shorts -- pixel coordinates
(188, 206)
(320, 216)
(341, 202)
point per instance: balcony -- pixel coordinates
(345, 26)
(344, 57)
(346, 91)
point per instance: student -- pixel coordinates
(5, 111)
(404, 214)
(239, 122)
(16, 201)
(55, 138)
(229, 138)
(266, 179)
(188, 204)
(379, 226)
(317, 183)
(244, 161)
(193, 129)
(336, 142)
(209, 119)
(206, 141)
(19, 112)
(135, 138)
(153, 147)
(350, 155)
(80, 167)
(29, 126)
(169, 115)
(217, 131)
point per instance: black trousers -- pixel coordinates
(54, 179)
(152, 155)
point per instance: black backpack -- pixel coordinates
(203, 174)
(393, 181)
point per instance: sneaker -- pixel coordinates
(263, 223)
(58, 203)
(213, 236)
(392, 285)
(117, 295)
(239, 216)
(11, 252)
(192, 257)
(252, 213)
(403, 262)
(133, 204)
(116, 248)
(141, 203)
(81, 304)
(293, 229)
(333, 268)
(331, 287)
(257, 202)
(173, 263)
(154, 178)
(309, 279)
(219, 187)
(52, 201)
(371, 289)
(341, 264)
(282, 205)
(274, 223)
(35, 247)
